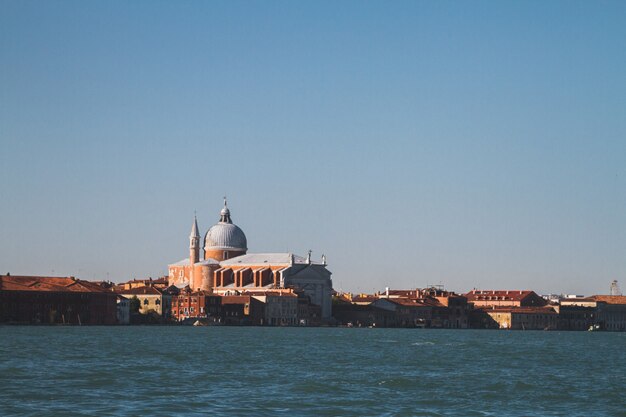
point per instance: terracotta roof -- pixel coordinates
(141, 291)
(161, 280)
(412, 302)
(54, 284)
(524, 310)
(408, 302)
(273, 293)
(497, 295)
(235, 299)
(364, 298)
(609, 299)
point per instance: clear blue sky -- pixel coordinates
(473, 144)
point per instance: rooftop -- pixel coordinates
(499, 295)
(270, 259)
(53, 284)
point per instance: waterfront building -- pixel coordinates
(242, 310)
(407, 312)
(521, 318)
(280, 308)
(152, 300)
(308, 314)
(505, 298)
(610, 310)
(428, 307)
(575, 317)
(361, 315)
(55, 300)
(161, 283)
(196, 304)
(123, 310)
(228, 268)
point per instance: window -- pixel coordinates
(158, 302)
(145, 302)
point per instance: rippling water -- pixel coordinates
(252, 371)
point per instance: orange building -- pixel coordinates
(504, 298)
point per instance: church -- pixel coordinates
(227, 268)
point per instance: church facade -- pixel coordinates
(226, 267)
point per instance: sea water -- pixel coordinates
(263, 371)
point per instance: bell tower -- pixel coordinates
(194, 242)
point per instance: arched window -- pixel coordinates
(157, 302)
(145, 302)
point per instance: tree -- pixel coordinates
(135, 304)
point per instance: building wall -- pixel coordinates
(161, 304)
(315, 282)
(222, 254)
(280, 310)
(572, 317)
(49, 307)
(123, 311)
(612, 317)
(525, 320)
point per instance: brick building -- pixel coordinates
(429, 307)
(55, 300)
(196, 304)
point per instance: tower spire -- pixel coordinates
(194, 227)
(194, 241)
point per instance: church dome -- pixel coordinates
(225, 235)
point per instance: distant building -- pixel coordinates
(242, 310)
(196, 304)
(505, 298)
(55, 300)
(362, 315)
(429, 307)
(522, 318)
(227, 268)
(575, 317)
(160, 283)
(123, 310)
(610, 310)
(152, 300)
(280, 308)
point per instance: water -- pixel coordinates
(254, 371)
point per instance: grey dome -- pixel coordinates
(225, 236)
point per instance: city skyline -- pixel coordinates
(470, 145)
